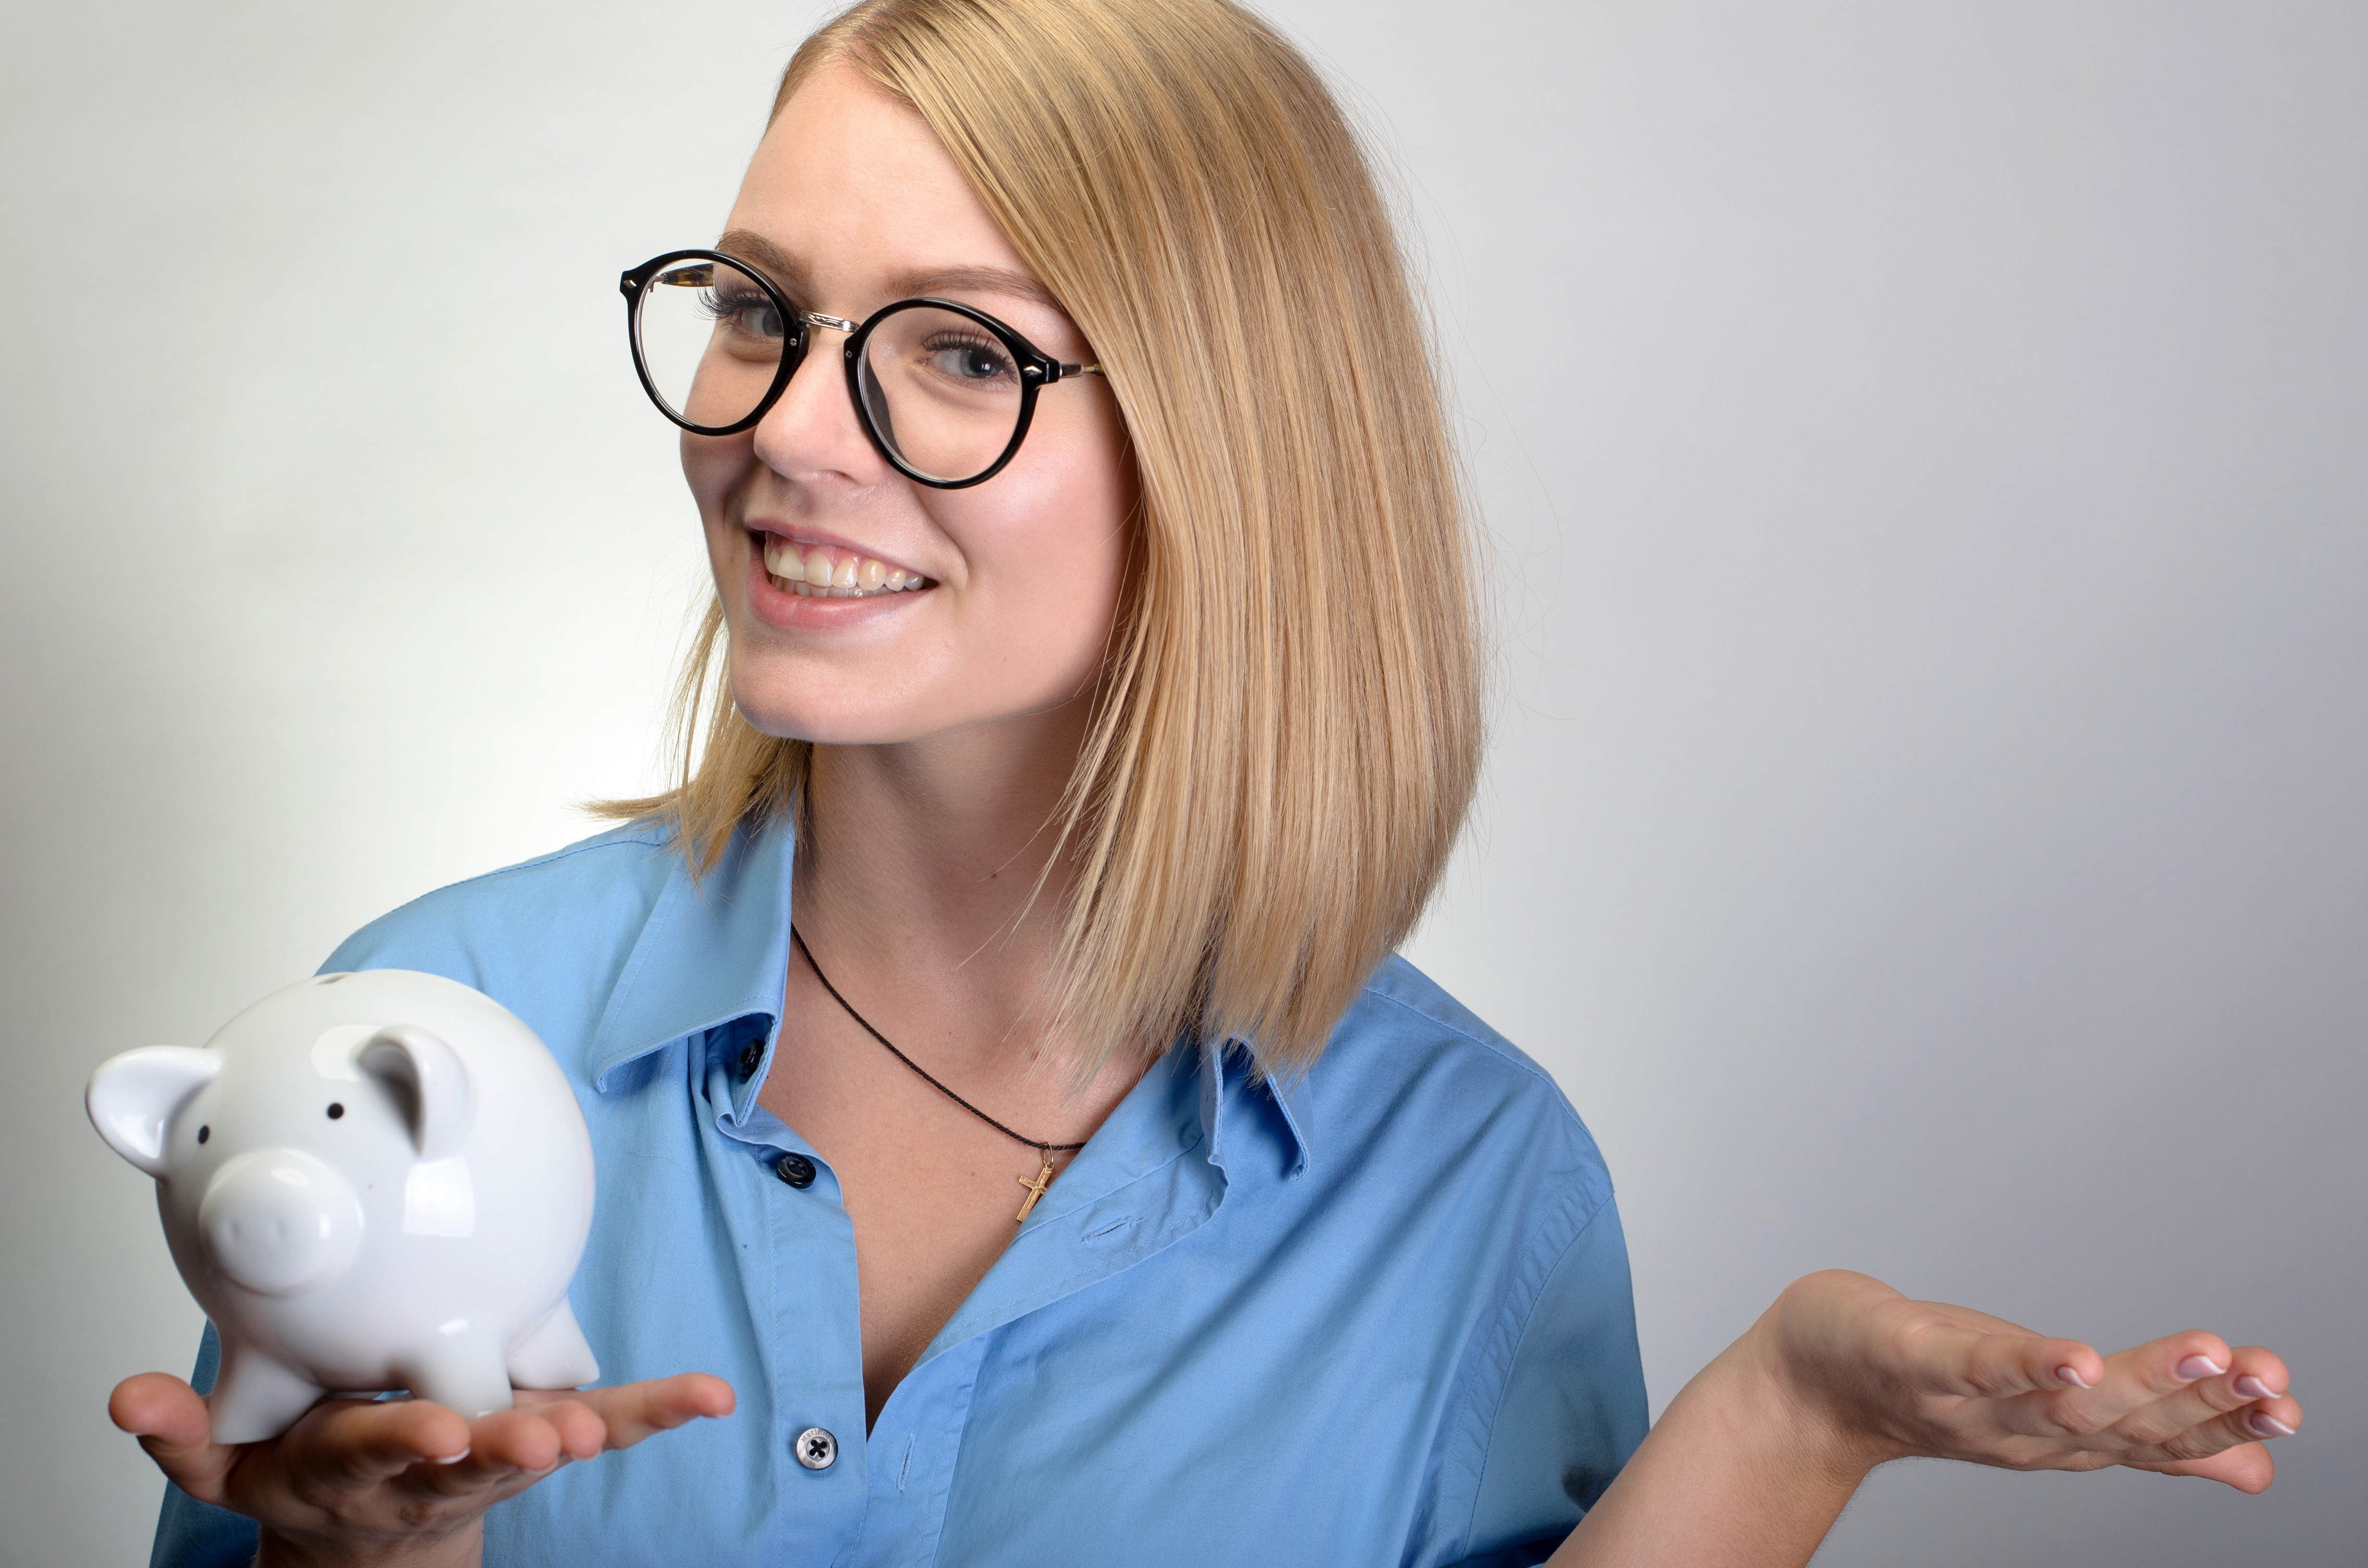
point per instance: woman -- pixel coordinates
(998, 1073)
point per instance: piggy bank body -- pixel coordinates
(369, 1181)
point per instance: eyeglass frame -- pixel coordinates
(1038, 369)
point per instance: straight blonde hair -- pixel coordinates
(1288, 732)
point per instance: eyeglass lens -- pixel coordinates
(940, 391)
(711, 341)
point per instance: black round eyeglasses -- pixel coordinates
(944, 391)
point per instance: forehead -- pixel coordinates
(854, 186)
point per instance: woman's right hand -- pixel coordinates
(400, 1483)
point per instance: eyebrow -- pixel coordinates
(786, 269)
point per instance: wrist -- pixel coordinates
(1807, 1412)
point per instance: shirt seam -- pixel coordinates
(1517, 1063)
(1503, 1372)
(566, 851)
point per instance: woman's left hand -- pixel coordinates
(1755, 1458)
(1888, 1378)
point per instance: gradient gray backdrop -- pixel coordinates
(1922, 448)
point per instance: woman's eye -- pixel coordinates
(967, 359)
(747, 315)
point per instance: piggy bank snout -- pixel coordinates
(278, 1220)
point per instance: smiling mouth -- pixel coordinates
(822, 572)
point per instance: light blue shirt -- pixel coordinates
(1384, 1317)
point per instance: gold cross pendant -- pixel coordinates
(1035, 1190)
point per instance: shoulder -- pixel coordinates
(1410, 1011)
(561, 920)
(1414, 1087)
(1407, 1038)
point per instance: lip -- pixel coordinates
(777, 608)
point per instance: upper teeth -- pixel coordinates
(821, 574)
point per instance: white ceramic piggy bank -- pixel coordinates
(377, 1180)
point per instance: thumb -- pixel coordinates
(169, 1417)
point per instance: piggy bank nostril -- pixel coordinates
(204, 1133)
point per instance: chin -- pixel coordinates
(824, 729)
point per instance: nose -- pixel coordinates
(813, 428)
(278, 1221)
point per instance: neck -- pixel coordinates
(919, 874)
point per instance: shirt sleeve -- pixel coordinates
(190, 1534)
(1572, 1406)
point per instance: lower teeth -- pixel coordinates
(807, 591)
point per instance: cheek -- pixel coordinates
(714, 467)
(1061, 559)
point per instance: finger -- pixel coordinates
(169, 1418)
(2260, 1375)
(358, 1442)
(509, 1451)
(2240, 1391)
(1974, 1318)
(582, 1434)
(513, 1439)
(2205, 1441)
(2147, 1373)
(1950, 1359)
(2248, 1467)
(632, 1411)
(2256, 1373)
(159, 1405)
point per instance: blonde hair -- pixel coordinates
(1289, 729)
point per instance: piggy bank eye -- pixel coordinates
(204, 1133)
(336, 1110)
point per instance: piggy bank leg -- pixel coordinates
(257, 1397)
(463, 1372)
(553, 1355)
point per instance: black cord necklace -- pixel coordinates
(1044, 1150)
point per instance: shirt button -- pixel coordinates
(816, 1449)
(750, 1057)
(798, 1171)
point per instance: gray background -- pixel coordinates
(1921, 445)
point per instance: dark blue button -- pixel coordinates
(751, 1057)
(795, 1169)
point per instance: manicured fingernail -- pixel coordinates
(453, 1458)
(2252, 1387)
(2070, 1376)
(2265, 1426)
(2196, 1367)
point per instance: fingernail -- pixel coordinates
(453, 1458)
(2265, 1426)
(2070, 1376)
(2196, 1367)
(2252, 1387)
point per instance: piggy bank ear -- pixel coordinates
(131, 1097)
(426, 1079)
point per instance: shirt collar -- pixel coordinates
(717, 950)
(1238, 1102)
